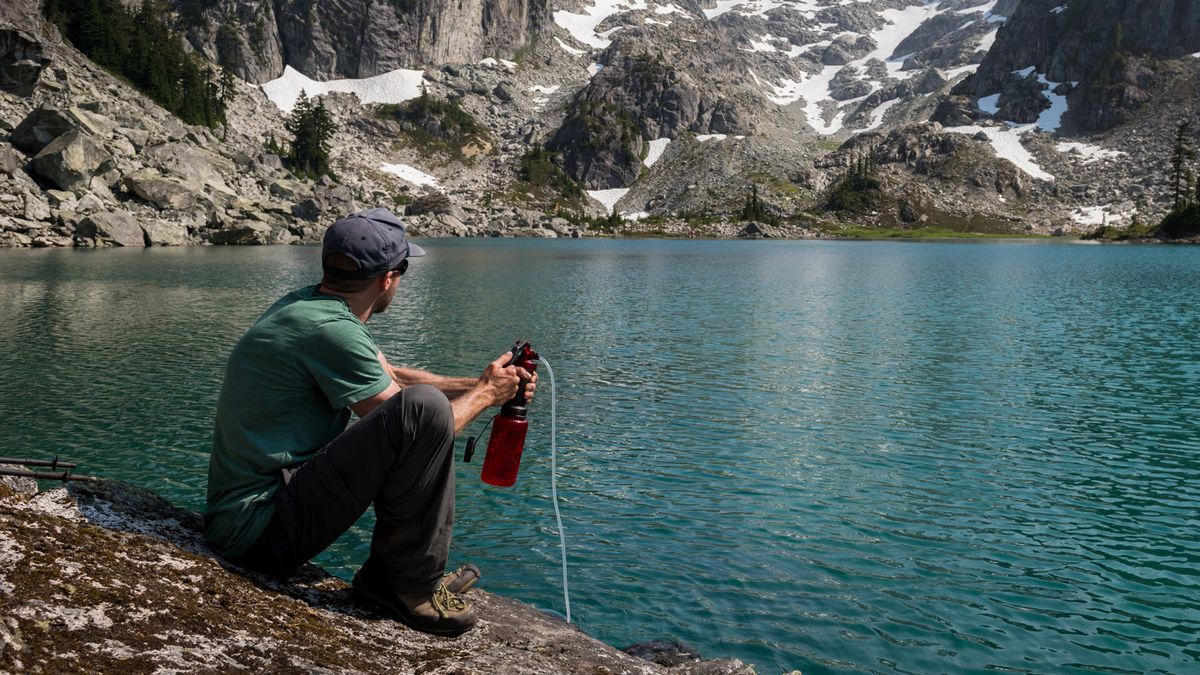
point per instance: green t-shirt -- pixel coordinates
(288, 385)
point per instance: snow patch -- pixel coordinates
(582, 27)
(986, 42)
(410, 174)
(951, 73)
(754, 7)
(814, 89)
(1196, 55)
(1024, 72)
(569, 49)
(1051, 118)
(594, 68)
(989, 104)
(497, 63)
(544, 89)
(1097, 215)
(1087, 153)
(879, 111)
(710, 137)
(657, 146)
(394, 87)
(1006, 141)
(762, 44)
(654, 22)
(1059, 10)
(981, 9)
(669, 9)
(608, 198)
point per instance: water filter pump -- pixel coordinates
(507, 441)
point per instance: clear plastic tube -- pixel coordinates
(562, 539)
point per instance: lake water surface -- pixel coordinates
(826, 456)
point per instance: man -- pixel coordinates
(287, 477)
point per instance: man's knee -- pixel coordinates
(429, 407)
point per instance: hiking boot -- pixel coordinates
(462, 579)
(438, 613)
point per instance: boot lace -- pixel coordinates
(446, 602)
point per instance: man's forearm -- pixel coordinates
(452, 387)
(468, 406)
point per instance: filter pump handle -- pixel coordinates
(523, 356)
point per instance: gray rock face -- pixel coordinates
(71, 160)
(114, 228)
(162, 191)
(329, 39)
(634, 98)
(1110, 46)
(21, 62)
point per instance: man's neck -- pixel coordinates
(359, 305)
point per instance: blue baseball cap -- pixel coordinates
(374, 239)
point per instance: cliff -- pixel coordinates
(329, 39)
(105, 577)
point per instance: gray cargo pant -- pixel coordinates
(399, 458)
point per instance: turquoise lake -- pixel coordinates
(828, 456)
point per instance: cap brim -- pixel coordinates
(414, 250)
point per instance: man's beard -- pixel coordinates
(382, 304)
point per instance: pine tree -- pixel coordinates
(312, 128)
(1181, 154)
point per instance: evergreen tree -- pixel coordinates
(141, 46)
(312, 128)
(1181, 154)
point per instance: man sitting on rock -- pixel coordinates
(287, 477)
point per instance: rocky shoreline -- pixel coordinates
(106, 577)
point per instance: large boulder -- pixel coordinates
(165, 233)
(186, 162)
(21, 62)
(112, 228)
(245, 232)
(71, 160)
(162, 191)
(39, 128)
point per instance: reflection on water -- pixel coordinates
(848, 457)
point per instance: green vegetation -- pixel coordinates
(437, 125)
(603, 125)
(858, 190)
(538, 168)
(754, 210)
(143, 48)
(312, 128)
(855, 232)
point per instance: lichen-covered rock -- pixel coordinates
(105, 577)
(71, 160)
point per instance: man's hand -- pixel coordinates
(500, 382)
(496, 386)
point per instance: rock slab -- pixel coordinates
(114, 577)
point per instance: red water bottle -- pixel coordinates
(507, 441)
